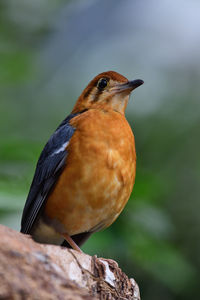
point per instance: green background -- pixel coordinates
(49, 50)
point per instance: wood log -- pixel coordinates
(29, 270)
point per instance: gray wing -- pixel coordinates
(48, 169)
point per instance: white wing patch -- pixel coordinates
(62, 148)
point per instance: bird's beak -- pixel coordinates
(133, 84)
(128, 86)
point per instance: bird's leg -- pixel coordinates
(71, 242)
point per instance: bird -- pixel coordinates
(86, 171)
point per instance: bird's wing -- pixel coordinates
(48, 169)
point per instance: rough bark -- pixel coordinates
(29, 270)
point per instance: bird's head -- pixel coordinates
(107, 91)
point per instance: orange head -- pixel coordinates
(107, 91)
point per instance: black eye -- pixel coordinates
(102, 83)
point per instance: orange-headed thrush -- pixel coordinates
(86, 172)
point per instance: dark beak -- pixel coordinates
(133, 84)
(128, 86)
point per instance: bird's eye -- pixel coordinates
(102, 83)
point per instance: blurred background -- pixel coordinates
(49, 50)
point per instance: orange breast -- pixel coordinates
(99, 174)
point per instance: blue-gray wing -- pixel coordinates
(49, 167)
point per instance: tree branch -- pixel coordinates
(29, 270)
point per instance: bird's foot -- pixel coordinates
(71, 242)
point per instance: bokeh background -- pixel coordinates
(49, 50)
